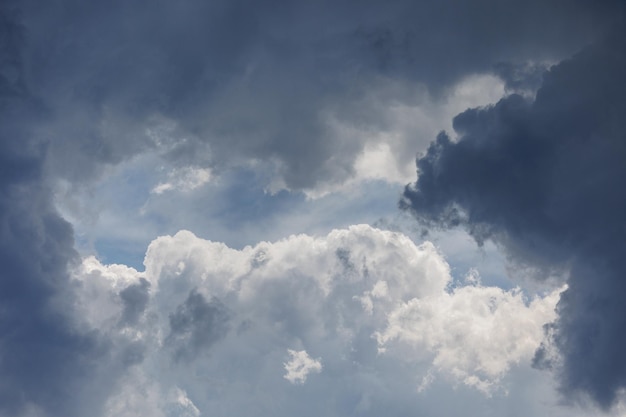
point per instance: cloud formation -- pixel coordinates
(40, 342)
(207, 86)
(359, 308)
(543, 179)
(300, 365)
(176, 77)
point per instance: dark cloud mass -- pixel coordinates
(545, 179)
(45, 360)
(247, 80)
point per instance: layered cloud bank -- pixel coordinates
(544, 179)
(222, 83)
(304, 325)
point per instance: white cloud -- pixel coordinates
(383, 313)
(300, 366)
(184, 179)
(476, 333)
(99, 285)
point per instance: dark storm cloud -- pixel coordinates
(45, 361)
(521, 78)
(545, 178)
(257, 80)
(39, 346)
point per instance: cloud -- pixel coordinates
(300, 366)
(196, 325)
(178, 79)
(360, 307)
(49, 364)
(474, 332)
(135, 298)
(184, 179)
(85, 87)
(541, 178)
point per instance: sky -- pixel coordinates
(336, 208)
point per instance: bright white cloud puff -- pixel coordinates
(371, 305)
(300, 366)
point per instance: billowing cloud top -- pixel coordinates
(278, 326)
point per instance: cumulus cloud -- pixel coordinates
(360, 307)
(474, 331)
(541, 178)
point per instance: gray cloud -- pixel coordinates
(544, 179)
(196, 325)
(240, 80)
(135, 298)
(525, 78)
(40, 345)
